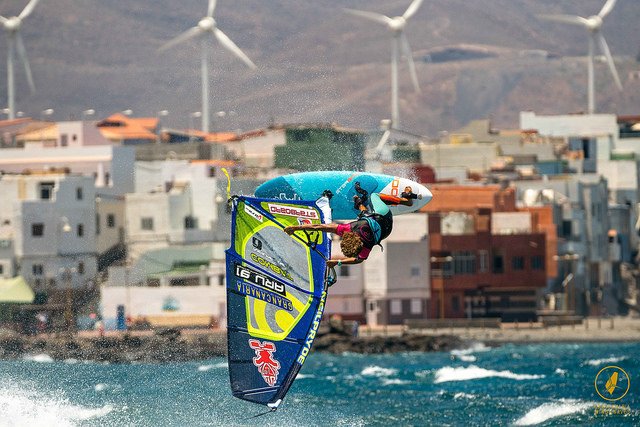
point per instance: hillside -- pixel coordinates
(315, 63)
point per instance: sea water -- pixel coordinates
(546, 384)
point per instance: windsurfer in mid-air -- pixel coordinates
(374, 224)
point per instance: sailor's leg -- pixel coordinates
(325, 206)
(378, 205)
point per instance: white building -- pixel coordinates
(175, 203)
(48, 221)
(111, 167)
(173, 286)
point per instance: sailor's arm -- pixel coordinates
(331, 228)
(334, 261)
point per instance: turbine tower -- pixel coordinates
(593, 24)
(12, 27)
(399, 42)
(205, 27)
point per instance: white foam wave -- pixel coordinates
(550, 410)
(303, 376)
(598, 362)
(473, 372)
(467, 358)
(100, 387)
(378, 371)
(560, 371)
(475, 348)
(394, 381)
(204, 368)
(28, 408)
(42, 358)
(461, 395)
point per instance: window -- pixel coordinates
(46, 190)
(517, 262)
(212, 171)
(97, 224)
(37, 269)
(79, 193)
(416, 306)
(81, 267)
(464, 263)
(64, 140)
(1, 269)
(396, 306)
(415, 271)
(190, 222)
(111, 220)
(537, 262)
(483, 257)
(455, 303)
(37, 229)
(147, 223)
(345, 271)
(80, 230)
(498, 264)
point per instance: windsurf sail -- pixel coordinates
(276, 291)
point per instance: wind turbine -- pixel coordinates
(205, 27)
(12, 27)
(593, 24)
(399, 42)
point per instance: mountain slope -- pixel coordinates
(316, 63)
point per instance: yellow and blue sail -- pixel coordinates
(276, 291)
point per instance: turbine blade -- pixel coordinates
(412, 9)
(211, 8)
(28, 9)
(22, 55)
(383, 140)
(371, 16)
(189, 34)
(566, 19)
(231, 46)
(412, 66)
(607, 8)
(607, 53)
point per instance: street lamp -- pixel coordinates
(67, 276)
(433, 259)
(568, 284)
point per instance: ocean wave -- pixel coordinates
(461, 395)
(24, 407)
(475, 348)
(303, 376)
(42, 358)
(473, 372)
(560, 371)
(204, 368)
(550, 410)
(378, 371)
(598, 362)
(394, 381)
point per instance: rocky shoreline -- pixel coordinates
(171, 345)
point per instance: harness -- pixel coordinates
(380, 226)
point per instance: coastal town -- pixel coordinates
(122, 223)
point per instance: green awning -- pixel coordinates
(16, 290)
